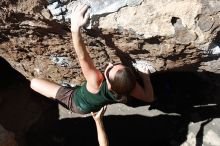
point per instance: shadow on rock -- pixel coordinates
(9, 76)
(20, 106)
(35, 118)
(193, 95)
(121, 130)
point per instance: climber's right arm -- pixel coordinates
(93, 76)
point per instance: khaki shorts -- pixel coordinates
(64, 97)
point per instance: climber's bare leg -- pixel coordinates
(45, 87)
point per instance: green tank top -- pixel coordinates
(87, 102)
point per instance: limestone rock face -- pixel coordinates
(165, 35)
(154, 19)
(170, 35)
(185, 21)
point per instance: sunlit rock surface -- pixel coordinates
(170, 35)
(107, 6)
(173, 36)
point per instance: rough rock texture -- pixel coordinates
(169, 34)
(173, 35)
(180, 24)
(158, 17)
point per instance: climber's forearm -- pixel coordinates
(79, 45)
(102, 137)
